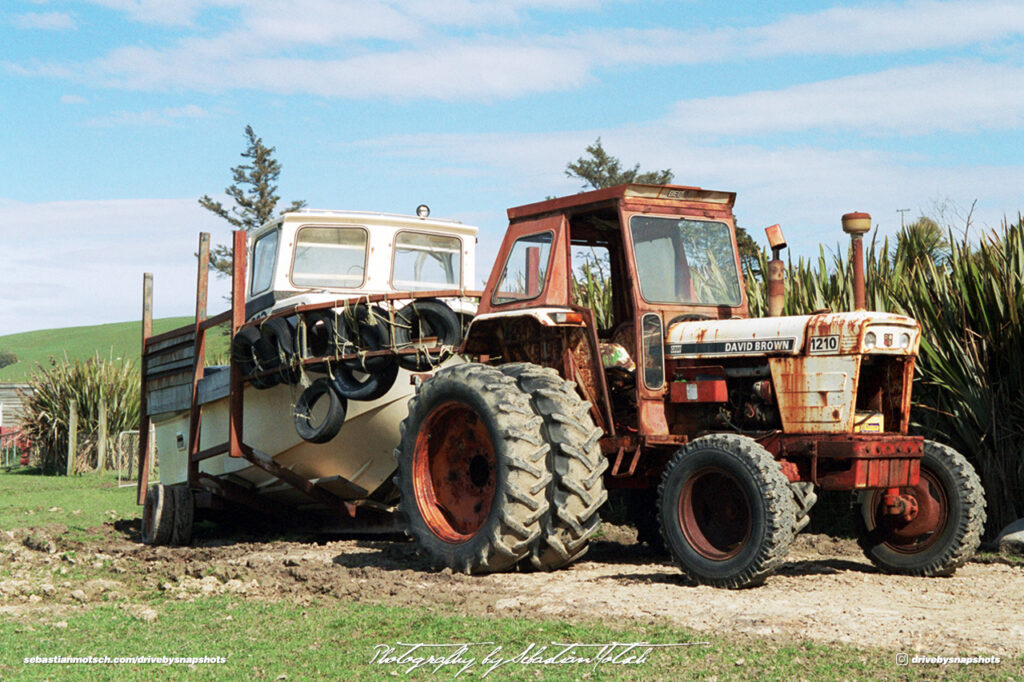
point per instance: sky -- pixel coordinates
(117, 115)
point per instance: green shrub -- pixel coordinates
(48, 404)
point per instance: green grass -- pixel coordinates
(334, 639)
(30, 500)
(116, 340)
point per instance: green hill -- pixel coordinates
(116, 340)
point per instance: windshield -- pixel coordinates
(426, 261)
(685, 261)
(329, 257)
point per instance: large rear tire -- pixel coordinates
(471, 470)
(946, 529)
(576, 491)
(726, 510)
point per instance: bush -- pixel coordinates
(7, 358)
(47, 406)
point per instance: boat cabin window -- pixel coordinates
(329, 257)
(264, 256)
(426, 261)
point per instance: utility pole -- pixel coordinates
(902, 212)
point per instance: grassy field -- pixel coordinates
(326, 637)
(108, 341)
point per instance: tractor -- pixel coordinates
(613, 350)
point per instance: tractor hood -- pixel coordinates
(821, 334)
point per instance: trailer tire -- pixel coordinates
(333, 420)
(157, 515)
(471, 470)
(244, 353)
(421, 319)
(726, 510)
(184, 515)
(576, 463)
(950, 488)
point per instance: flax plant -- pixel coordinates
(48, 402)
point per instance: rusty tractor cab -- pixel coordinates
(614, 349)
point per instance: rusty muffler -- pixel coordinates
(856, 225)
(776, 271)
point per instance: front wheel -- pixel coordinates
(472, 470)
(946, 526)
(726, 511)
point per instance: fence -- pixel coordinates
(10, 449)
(125, 454)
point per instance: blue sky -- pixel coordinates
(116, 115)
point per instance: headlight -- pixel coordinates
(905, 341)
(869, 341)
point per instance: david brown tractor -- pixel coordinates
(721, 426)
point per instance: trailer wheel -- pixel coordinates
(576, 491)
(946, 530)
(471, 470)
(244, 353)
(423, 319)
(319, 428)
(726, 510)
(184, 515)
(157, 515)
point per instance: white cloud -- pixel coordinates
(462, 48)
(150, 117)
(81, 262)
(72, 99)
(47, 21)
(957, 97)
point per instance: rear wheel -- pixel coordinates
(471, 470)
(946, 527)
(184, 515)
(726, 510)
(576, 490)
(158, 515)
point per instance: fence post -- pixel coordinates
(72, 436)
(101, 438)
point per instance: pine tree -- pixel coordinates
(254, 193)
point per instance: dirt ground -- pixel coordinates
(826, 591)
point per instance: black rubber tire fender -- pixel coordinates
(749, 476)
(520, 478)
(421, 319)
(576, 491)
(333, 420)
(244, 352)
(372, 386)
(958, 538)
(184, 515)
(157, 515)
(275, 349)
(370, 327)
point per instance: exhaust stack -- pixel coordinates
(776, 271)
(856, 225)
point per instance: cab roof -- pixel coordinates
(659, 193)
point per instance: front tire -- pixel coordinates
(726, 510)
(946, 531)
(471, 470)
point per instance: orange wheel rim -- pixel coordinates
(454, 470)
